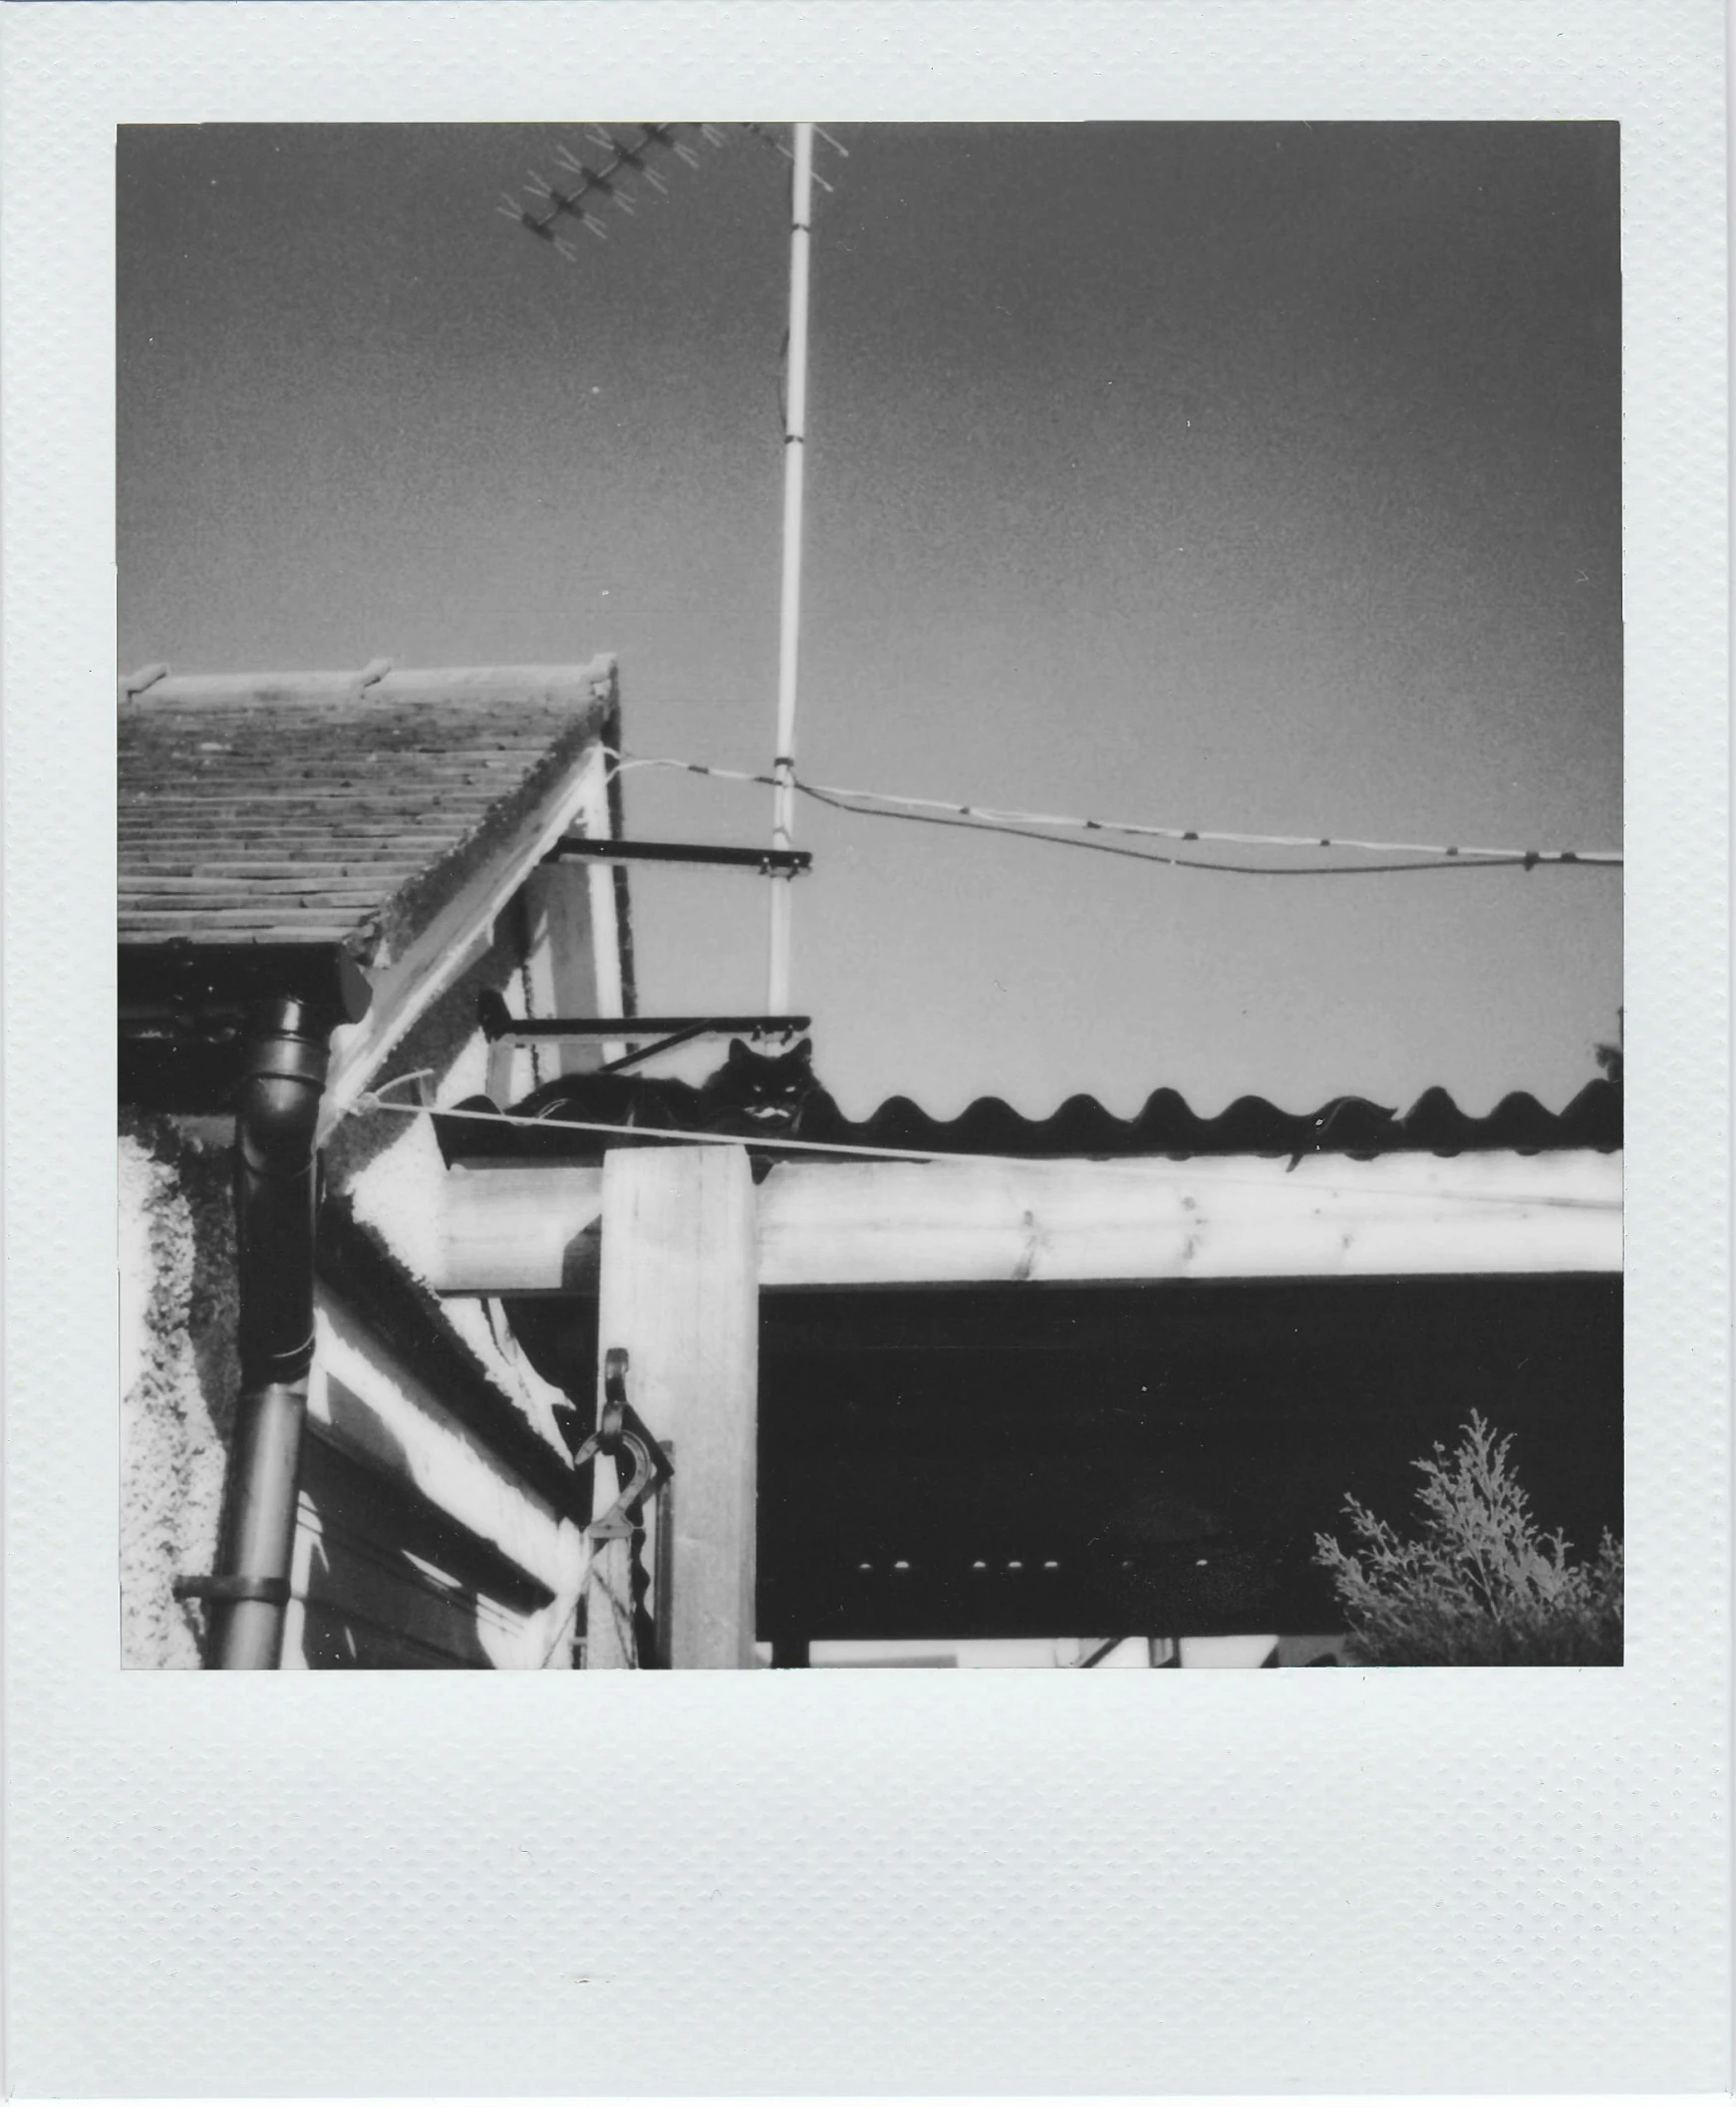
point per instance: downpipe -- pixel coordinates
(278, 1179)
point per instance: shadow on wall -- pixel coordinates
(391, 1581)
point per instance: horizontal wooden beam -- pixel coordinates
(534, 1229)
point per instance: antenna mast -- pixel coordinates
(790, 632)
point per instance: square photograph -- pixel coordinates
(658, 1126)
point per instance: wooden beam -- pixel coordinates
(532, 1229)
(678, 1290)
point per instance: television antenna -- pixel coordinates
(608, 179)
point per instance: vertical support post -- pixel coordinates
(680, 1291)
(790, 631)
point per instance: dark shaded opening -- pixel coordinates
(1052, 1461)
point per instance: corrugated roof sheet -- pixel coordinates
(1165, 1126)
(332, 809)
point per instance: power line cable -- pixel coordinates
(1143, 855)
(883, 804)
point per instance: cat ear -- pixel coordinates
(737, 1056)
(805, 1051)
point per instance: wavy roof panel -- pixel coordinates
(1165, 1126)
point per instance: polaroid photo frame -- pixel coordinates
(1394, 1880)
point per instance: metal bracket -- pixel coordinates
(230, 1588)
(770, 862)
(498, 1023)
(621, 1431)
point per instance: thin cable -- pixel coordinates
(1145, 855)
(996, 816)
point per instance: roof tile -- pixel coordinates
(331, 808)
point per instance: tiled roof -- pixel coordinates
(1166, 1126)
(336, 809)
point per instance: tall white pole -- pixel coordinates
(790, 634)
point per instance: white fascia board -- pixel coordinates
(443, 950)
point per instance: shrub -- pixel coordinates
(1481, 1586)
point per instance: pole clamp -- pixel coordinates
(620, 1432)
(230, 1588)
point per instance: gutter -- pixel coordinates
(277, 1178)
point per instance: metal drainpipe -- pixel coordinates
(276, 1196)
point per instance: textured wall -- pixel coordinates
(179, 1376)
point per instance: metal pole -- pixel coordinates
(794, 447)
(277, 1199)
(260, 1536)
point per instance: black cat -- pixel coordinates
(762, 1093)
(749, 1095)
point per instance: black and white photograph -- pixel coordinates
(927, 869)
(660, 1125)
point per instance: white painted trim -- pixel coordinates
(533, 1228)
(605, 923)
(439, 954)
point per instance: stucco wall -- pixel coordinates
(179, 1376)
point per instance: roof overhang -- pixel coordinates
(370, 966)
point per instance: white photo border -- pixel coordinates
(552, 1885)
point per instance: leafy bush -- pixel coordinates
(1481, 1586)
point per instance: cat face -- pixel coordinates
(769, 1088)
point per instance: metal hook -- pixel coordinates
(620, 1429)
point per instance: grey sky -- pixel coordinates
(1254, 476)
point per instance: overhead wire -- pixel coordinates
(1038, 827)
(975, 825)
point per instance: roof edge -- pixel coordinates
(380, 681)
(430, 931)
